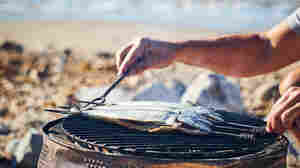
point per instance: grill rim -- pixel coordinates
(262, 154)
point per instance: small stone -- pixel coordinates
(264, 97)
(12, 46)
(4, 111)
(35, 124)
(58, 62)
(4, 130)
(11, 147)
(215, 91)
(67, 52)
(105, 55)
(28, 149)
(268, 91)
(34, 75)
(7, 163)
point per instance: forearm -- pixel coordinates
(241, 55)
(234, 55)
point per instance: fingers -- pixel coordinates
(121, 54)
(154, 54)
(274, 123)
(135, 52)
(284, 112)
(289, 117)
(128, 55)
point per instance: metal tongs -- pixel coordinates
(99, 101)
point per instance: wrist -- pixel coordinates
(173, 50)
(166, 49)
(178, 50)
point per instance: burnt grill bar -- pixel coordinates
(113, 138)
(88, 142)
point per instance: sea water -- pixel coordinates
(229, 15)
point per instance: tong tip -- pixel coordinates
(58, 111)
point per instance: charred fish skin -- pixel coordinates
(171, 114)
(137, 111)
(162, 116)
(194, 118)
(200, 117)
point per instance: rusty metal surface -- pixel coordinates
(58, 151)
(57, 156)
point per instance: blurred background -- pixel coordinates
(229, 16)
(52, 51)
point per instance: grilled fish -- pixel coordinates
(155, 116)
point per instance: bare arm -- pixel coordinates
(240, 55)
(243, 55)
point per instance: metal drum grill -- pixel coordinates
(111, 138)
(85, 141)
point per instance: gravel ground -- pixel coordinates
(29, 82)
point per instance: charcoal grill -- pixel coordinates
(86, 142)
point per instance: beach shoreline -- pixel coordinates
(89, 37)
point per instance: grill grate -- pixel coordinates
(112, 138)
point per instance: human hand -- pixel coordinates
(285, 113)
(156, 54)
